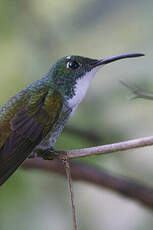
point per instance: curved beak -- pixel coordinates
(115, 58)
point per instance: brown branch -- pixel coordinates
(83, 172)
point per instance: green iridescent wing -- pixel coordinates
(26, 129)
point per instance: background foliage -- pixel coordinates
(33, 35)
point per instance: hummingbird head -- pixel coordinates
(71, 75)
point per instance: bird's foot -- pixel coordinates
(49, 154)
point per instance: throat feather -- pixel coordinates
(81, 87)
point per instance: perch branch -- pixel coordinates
(122, 185)
(109, 148)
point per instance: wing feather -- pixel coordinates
(27, 126)
(27, 129)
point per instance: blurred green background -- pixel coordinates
(33, 35)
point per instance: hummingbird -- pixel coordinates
(31, 121)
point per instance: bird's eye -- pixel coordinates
(73, 65)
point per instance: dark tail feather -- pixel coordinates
(12, 154)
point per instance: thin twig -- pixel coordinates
(137, 93)
(70, 188)
(109, 148)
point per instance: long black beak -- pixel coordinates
(115, 58)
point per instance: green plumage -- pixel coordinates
(24, 121)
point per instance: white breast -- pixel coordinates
(81, 89)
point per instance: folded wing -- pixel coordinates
(27, 128)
